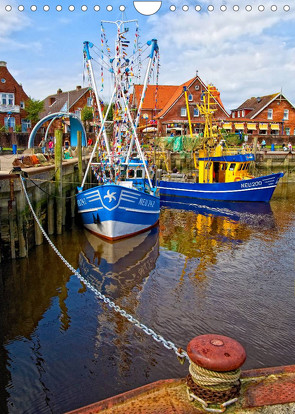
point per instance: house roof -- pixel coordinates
(61, 98)
(179, 92)
(256, 105)
(161, 92)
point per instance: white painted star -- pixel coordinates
(110, 196)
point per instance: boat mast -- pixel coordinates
(94, 87)
(155, 48)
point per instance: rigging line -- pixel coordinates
(50, 195)
(158, 338)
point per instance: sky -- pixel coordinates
(243, 53)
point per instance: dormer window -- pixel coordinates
(190, 97)
(243, 114)
(233, 114)
(52, 100)
(239, 114)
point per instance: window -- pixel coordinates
(25, 125)
(22, 104)
(238, 114)
(232, 166)
(9, 122)
(286, 114)
(269, 114)
(190, 97)
(287, 130)
(243, 114)
(183, 112)
(7, 99)
(89, 101)
(139, 173)
(233, 114)
(196, 112)
(78, 114)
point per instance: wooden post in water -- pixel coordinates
(20, 206)
(11, 219)
(50, 206)
(255, 145)
(80, 166)
(38, 211)
(58, 133)
(73, 198)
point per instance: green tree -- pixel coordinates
(33, 108)
(86, 116)
(111, 111)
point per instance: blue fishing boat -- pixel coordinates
(125, 201)
(223, 174)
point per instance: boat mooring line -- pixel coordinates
(158, 338)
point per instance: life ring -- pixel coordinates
(237, 179)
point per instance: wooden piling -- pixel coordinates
(20, 208)
(58, 133)
(80, 166)
(50, 211)
(38, 211)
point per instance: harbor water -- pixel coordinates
(225, 268)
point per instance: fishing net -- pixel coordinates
(179, 143)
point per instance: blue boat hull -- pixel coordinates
(116, 211)
(255, 189)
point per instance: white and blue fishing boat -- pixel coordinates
(124, 202)
(223, 174)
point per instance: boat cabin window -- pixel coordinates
(231, 166)
(208, 165)
(241, 167)
(222, 166)
(131, 173)
(246, 166)
(139, 174)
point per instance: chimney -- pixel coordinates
(59, 91)
(2, 63)
(78, 88)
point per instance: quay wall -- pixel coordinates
(19, 231)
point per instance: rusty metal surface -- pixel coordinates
(216, 352)
(264, 391)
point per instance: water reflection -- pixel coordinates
(201, 229)
(117, 268)
(220, 268)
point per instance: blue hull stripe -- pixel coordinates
(219, 191)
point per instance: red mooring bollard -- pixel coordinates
(214, 371)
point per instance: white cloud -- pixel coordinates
(243, 53)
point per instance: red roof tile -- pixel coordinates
(163, 94)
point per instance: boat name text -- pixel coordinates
(146, 203)
(248, 185)
(81, 202)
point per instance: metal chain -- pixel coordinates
(158, 338)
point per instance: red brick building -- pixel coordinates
(155, 99)
(174, 115)
(167, 105)
(12, 102)
(270, 115)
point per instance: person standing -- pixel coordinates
(42, 145)
(51, 146)
(290, 146)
